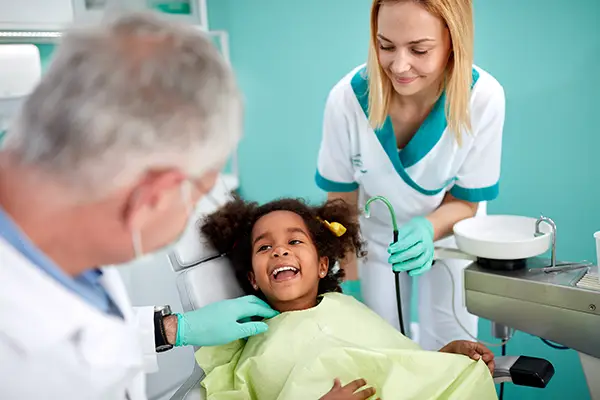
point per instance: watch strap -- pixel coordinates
(160, 337)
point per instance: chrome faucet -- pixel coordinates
(538, 232)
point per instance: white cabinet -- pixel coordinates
(35, 14)
(55, 15)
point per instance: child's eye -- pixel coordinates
(295, 241)
(386, 48)
(420, 52)
(264, 247)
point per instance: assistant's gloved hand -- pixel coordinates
(217, 323)
(352, 288)
(413, 252)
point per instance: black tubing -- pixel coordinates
(399, 301)
(554, 346)
(398, 295)
(501, 397)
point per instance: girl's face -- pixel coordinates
(413, 46)
(286, 267)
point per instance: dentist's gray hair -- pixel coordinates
(133, 94)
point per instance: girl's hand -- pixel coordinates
(348, 392)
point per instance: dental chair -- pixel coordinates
(205, 277)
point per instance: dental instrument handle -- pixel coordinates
(398, 298)
(565, 268)
(553, 227)
(399, 302)
(396, 274)
(389, 206)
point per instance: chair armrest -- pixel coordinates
(523, 371)
(191, 388)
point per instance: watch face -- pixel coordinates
(163, 310)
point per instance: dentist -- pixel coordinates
(122, 137)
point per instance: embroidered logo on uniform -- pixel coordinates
(357, 163)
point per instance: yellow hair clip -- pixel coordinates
(335, 227)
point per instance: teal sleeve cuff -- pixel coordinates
(331, 186)
(476, 195)
(352, 288)
(180, 329)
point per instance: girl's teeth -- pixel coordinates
(278, 270)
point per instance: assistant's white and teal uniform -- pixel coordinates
(415, 179)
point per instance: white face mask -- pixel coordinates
(186, 197)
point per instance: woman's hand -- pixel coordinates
(413, 252)
(348, 392)
(473, 350)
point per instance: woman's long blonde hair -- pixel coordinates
(458, 16)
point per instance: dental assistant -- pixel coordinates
(124, 134)
(422, 126)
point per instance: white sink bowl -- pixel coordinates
(502, 237)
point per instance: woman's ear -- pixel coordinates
(323, 267)
(252, 280)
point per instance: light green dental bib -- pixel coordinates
(303, 351)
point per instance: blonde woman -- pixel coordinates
(422, 126)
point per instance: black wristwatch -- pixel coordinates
(160, 336)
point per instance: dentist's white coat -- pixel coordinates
(54, 345)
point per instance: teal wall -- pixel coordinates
(287, 55)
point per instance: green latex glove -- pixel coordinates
(413, 252)
(221, 322)
(352, 288)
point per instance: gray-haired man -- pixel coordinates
(124, 134)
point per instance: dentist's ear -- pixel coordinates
(150, 194)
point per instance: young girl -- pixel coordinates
(287, 253)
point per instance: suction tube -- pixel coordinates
(397, 274)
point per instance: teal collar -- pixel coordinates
(424, 140)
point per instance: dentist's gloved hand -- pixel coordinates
(413, 252)
(218, 323)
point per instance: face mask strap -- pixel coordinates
(136, 239)
(208, 194)
(186, 196)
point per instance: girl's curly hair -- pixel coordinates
(229, 230)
